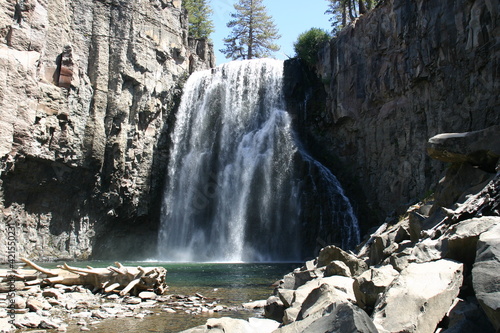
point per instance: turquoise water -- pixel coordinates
(230, 284)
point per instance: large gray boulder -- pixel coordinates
(419, 298)
(331, 253)
(372, 283)
(486, 274)
(231, 325)
(477, 148)
(343, 317)
(335, 289)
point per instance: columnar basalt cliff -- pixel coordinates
(87, 93)
(396, 77)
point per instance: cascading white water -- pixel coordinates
(234, 186)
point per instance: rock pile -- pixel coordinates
(434, 269)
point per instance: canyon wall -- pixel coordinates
(87, 92)
(404, 72)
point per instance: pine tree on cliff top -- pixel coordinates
(253, 33)
(344, 11)
(200, 24)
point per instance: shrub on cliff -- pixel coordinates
(309, 43)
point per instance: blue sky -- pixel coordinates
(292, 17)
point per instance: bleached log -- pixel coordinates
(38, 268)
(129, 287)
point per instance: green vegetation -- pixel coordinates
(253, 33)
(200, 24)
(309, 43)
(345, 11)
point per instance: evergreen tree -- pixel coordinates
(345, 11)
(253, 33)
(200, 24)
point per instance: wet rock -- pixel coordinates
(485, 274)
(419, 297)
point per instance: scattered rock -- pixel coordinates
(255, 305)
(147, 295)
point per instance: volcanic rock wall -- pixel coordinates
(87, 92)
(406, 71)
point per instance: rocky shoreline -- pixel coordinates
(61, 308)
(434, 269)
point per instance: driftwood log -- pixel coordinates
(121, 279)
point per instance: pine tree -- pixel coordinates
(253, 33)
(200, 24)
(344, 11)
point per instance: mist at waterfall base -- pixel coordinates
(239, 186)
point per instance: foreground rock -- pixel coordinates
(411, 275)
(419, 297)
(485, 274)
(231, 325)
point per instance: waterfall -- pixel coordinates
(239, 187)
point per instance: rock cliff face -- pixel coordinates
(87, 92)
(399, 75)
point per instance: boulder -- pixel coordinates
(462, 238)
(31, 320)
(370, 284)
(286, 296)
(144, 295)
(467, 316)
(387, 242)
(419, 297)
(231, 325)
(331, 253)
(338, 288)
(486, 274)
(460, 180)
(477, 148)
(337, 267)
(318, 300)
(342, 317)
(274, 308)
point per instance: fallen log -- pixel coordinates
(121, 279)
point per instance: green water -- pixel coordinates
(230, 284)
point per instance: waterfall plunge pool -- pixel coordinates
(230, 283)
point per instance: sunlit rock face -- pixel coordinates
(404, 72)
(87, 91)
